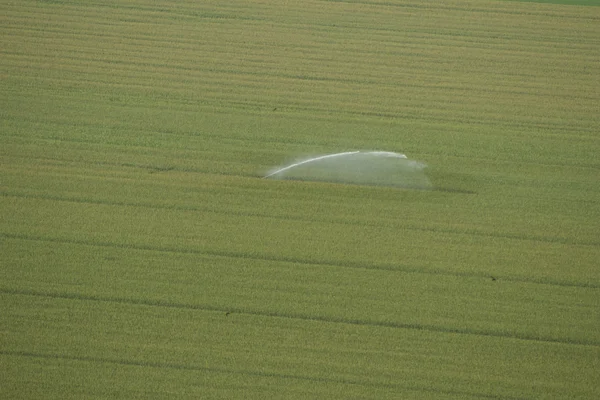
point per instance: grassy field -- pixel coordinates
(142, 255)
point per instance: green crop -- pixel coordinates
(143, 254)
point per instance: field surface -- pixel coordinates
(142, 254)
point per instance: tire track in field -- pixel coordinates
(251, 373)
(379, 224)
(503, 9)
(250, 80)
(395, 268)
(577, 133)
(300, 316)
(316, 48)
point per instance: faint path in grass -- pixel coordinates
(299, 316)
(387, 3)
(265, 257)
(473, 232)
(563, 2)
(261, 374)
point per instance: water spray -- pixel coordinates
(384, 168)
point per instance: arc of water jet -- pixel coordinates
(311, 160)
(387, 153)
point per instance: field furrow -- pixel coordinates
(143, 253)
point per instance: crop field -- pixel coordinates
(144, 255)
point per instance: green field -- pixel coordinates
(143, 255)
